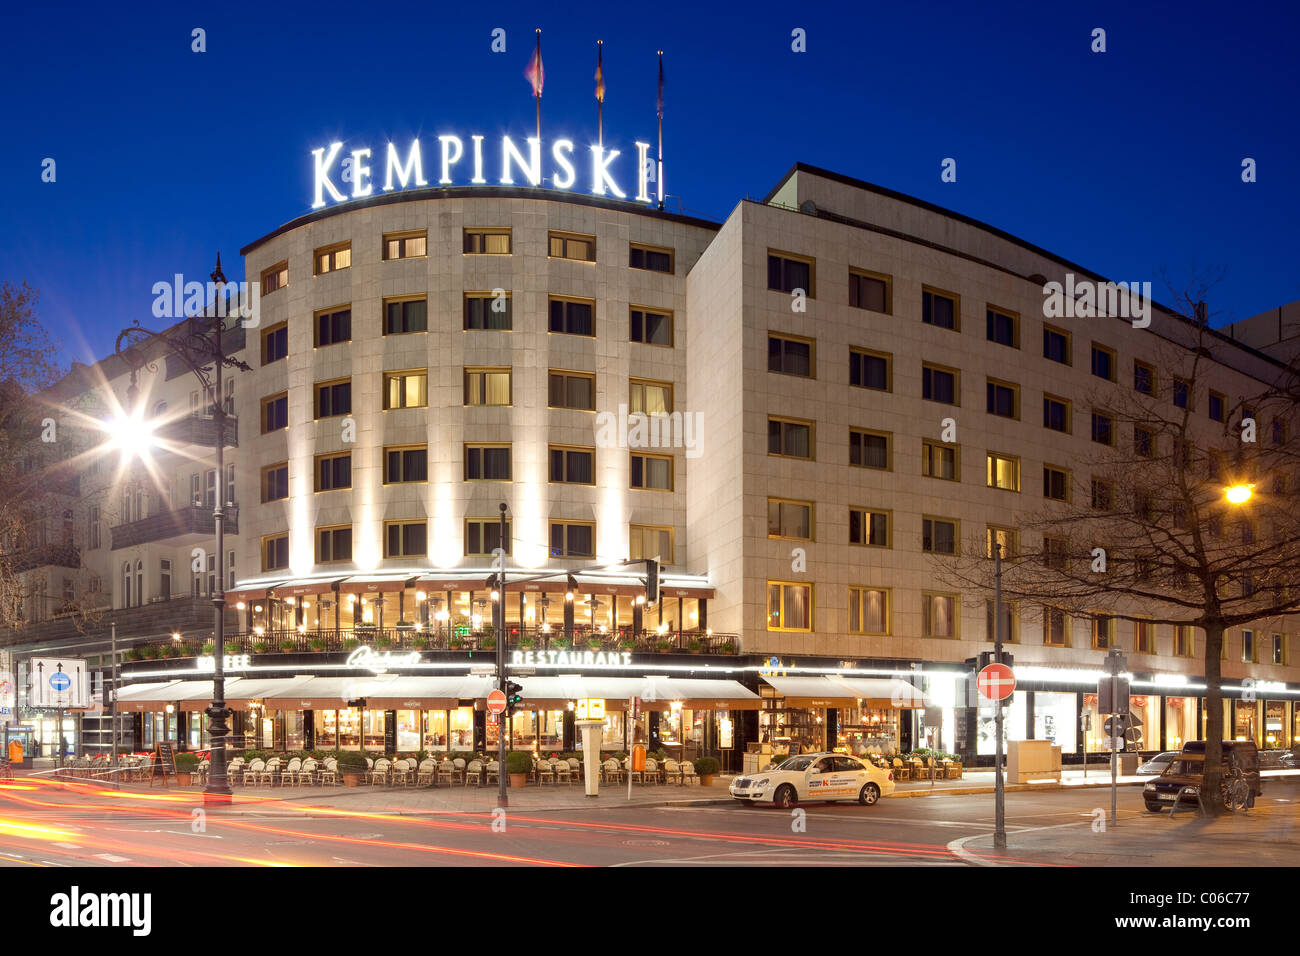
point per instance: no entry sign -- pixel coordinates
(996, 682)
(497, 702)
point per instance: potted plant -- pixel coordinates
(456, 642)
(352, 765)
(706, 767)
(185, 765)
(383, 639)
(151, 653)
(519, 763)
(560, 642)
(259, 647)
(133, 654)
(286, 646)
(317, 644)
(209, 649)
(695, 646)
(420, 643)
(664, 646)
(727, 647)
(526, 641)
(489, 643)
(628, 645)
(351, 644)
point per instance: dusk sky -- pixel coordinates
(1126, 162)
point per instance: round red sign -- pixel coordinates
(497, 702)
(996, 682)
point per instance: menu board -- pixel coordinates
(164, 761)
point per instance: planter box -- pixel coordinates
(706, 780)
(351, 779)
(518, 779)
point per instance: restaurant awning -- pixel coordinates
(376, 583)
(656, 693)
(140, 697)
(841, 691)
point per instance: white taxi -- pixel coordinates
(823, 776)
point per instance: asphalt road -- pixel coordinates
(49, 824)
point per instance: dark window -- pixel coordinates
(938, 309)
(275, 553)
(869, 371)
(334, 399)
(939, 537)
(789, 357)
(491, 464)
(1218, 407)
(786, 275)
(487, 312)
(409, 316)
(1144, 378)
(334, 544)
(1182, 393)
(867, 450)
(572, 541)
(571, 318)
(1056, 415)
(1103, 429)
(652, 259)
(406, 464)
(483, 242)
(651, 328)
(275, 483)
(334, 327)
(1056, 346)
(406, 539)
(789, 438)
(652, 472)
(334, 472)
(1103, 363)
(572, 391)
(275, 414)
(868, 292)
(868, 527)
(275, 344)
(1144, 442)
(938, 385)
(1055, 484)
(484, 536)
(1001, 400)
(1103, 494)
(573, 466)
(1002, 328)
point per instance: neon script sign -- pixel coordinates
(356, 170)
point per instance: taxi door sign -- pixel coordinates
(638, 756)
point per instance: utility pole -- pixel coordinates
(499, 611)
(112, 706)
(999, 792)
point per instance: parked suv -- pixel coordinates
(1187, 772)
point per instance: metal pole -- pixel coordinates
(999, 798)
(503, 798)
(112, 706)
(1114, 754)
(218, 788)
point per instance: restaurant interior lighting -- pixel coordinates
(239, 605)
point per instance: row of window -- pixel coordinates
(410, 464)
(482, 536)
(787, 272)
(790, 607)
(489, 241)
(481, 387)
(567, 315)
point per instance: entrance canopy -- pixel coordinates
(656, 693)
(847, 692)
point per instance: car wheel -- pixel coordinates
(1153, 807)
(869, 794)
(785, 797)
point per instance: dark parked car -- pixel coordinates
(1184, 777)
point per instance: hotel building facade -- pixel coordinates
(421, 357)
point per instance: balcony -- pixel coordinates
(156, 621)
(199, 430)
(182, 523)
(46, 555)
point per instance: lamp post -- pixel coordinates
(197, 343)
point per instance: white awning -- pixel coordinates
(656, 693)
(842, 691)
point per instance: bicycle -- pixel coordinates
(6, 772)
(1235, 789)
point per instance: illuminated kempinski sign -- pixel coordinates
(339, 176)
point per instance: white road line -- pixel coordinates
(68, 846)
(958, 847)
(111, 858)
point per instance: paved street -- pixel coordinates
(44, 822)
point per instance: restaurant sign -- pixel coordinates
(230, 662)
(368, 658)
(565, 658)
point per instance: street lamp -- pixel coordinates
(1239, 494)
(197, 343)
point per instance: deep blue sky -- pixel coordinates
(1125, 162)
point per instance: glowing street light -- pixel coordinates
(131, 434)
(1239, 494)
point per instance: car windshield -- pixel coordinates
(1186, 765)
(796, 763)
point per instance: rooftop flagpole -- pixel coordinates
(538, 77)
(600, 94)
(659, 175)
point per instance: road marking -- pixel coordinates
(958, 847)
(67, 846)
(111, 858)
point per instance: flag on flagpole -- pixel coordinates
(535, 74)
(600, 72)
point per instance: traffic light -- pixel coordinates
(514, 693)
(651, 581)
(988, 657)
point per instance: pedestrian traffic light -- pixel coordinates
(651, 581)
(514, 693)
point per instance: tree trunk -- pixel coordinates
(1214, 729)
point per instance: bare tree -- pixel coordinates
(1150, 532)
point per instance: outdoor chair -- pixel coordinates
(234, 770)
(306, 775)
(290, 774)
(270, 772)
(424, 775)
(575, 765)
(458, 767)
(474, 772)
(379, 772)
(253, 771)
(447, 771)
(901, 772)
(329, 774)
(672, 771)
(688, 772)
(611, 771)
(562, 772)
(544, 772)
(493, 771)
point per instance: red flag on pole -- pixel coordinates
(535, 74)
(600, 72)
